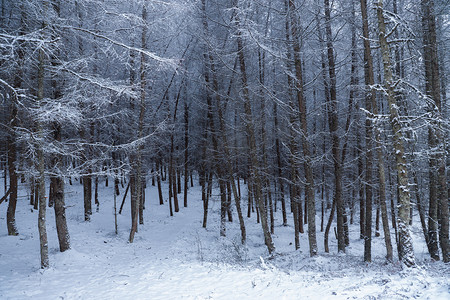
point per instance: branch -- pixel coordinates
(10, 87)
(6, 195)
(171, 62)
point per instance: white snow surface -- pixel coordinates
(175, 258)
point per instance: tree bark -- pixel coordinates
(309, 192)
(279, 167)
(186, 154)
(371, 106)
(41, 165)
(334, 125)
(406, 251)
(58, 198)
(87, 194)
(252, 141)
(12, 158)
(438, 182)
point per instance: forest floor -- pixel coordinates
(175, 258)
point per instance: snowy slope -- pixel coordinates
(175, 258)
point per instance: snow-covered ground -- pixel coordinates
(175, 258)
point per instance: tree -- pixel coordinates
(333, 125)
(250, 130)
(438, 182)
(310, 197)
(406, 251)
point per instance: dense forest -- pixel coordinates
(332, 112)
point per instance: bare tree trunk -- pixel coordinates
(406, 251)
(137, 211)
(41, 166)
(60, 215)
(309, 193)
(124, 197)
(252, 142)
(158, 182)
(11, 139)
(327, 228)
(97, 203)
(334, 125)
(186, 154)
(115, 207)
(223, 206)
(141, 199)
(438, 181)
(280, 178)
(87, 195)
(32, 184)
(229, 212)
(12, 159)
(204, 197)
(178, 172)
(226, 159)
(58, 198)
(369, 99)
(372, 107)
(36, 193)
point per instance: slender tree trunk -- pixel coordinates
(97, 203)
(252, 142)
(327, 228)
(214, 86)
(115, 206)
(58, 198)
(229, 212)
(137, 211)
(334, 125)
(309, 193)
(36, 193)
(372, 107)
(11, 139)
(158, 182)
(41, 165)
(406, 251)
(203, 180)
(124, 197)
(141, 200)
(223, 206)
(279, 167)
(438, 181)
(32, 184)
(186, 154)
(369, 99)
(421, 210)
(12, 158)
(87, 195)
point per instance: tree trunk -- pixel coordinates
(12, 155)
(87, 194)
(11, 139)
(438, 181)
(279, 168)
(406, 252)
(309, 192)
(186, 154)
(334, 125)
(158, 182)
(252, 142)
(137, 212)
(41, 166)
(97, 203)
(58, 198)
(372, 107)
(369, 99)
